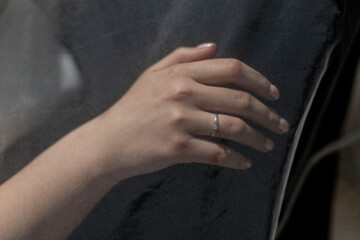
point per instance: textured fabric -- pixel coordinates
(113, 41)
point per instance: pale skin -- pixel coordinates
(156, 124)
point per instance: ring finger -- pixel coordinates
(242, 104)
(230, 128)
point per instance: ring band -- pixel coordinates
(215, 126)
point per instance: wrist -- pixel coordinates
(107, 161)
(84, 151)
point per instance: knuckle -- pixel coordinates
(272, 117)
(235, 66)
(237, 128)
(222, 154)
(180, 91)
(181, 50)
(183, 54)
(177, 70)
(164, 152)
(177, 144)
(245, 100)
(177, 116)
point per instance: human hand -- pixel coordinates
(159, 121)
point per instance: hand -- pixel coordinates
(157, 123)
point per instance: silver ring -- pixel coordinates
(215, 126)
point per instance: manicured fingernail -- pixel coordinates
(205, 45)
(274, 92)
(284, 125)
(269, 144)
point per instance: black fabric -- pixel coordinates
(113, 41)
(330, 104)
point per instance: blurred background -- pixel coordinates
(345, 219)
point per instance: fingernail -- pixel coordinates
(274, 92)
(205, 45)
(269, 144)
(284, 125)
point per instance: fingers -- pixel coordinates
(239, 103)
(203, 151)
(184, 55)
(196, 123)
(229, 71)
(230, 128)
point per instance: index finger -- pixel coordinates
(230, 71)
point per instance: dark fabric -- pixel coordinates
(113, 41)
(330, 102)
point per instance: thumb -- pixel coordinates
(184, 55)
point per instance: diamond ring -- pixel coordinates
(216, 125)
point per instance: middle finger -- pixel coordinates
(230, 71)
